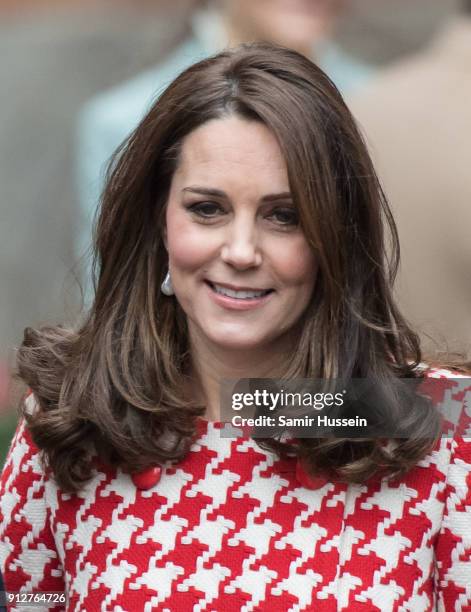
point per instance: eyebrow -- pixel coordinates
(218, 193)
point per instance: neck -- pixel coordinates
(210, 365)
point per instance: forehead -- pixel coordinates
(232, 147)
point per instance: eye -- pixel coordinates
(206, 210)
(285, 216)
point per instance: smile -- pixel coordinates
(243, 294)
(239, 299)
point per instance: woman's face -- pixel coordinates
(240, 265)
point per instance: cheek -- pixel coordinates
(298, 265)
(187, 248)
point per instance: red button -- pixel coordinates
(147, 478)
(310, 482)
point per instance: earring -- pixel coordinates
(166, 287)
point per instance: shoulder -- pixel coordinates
(23, 451)
(28, 556)
(453, 545)
(22, 483)
(450, 391)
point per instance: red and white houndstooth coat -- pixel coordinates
(231, 528)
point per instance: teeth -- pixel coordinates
(241, 295)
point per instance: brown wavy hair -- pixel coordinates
(113, 385)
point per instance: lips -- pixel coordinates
(240, 299)
(213, 285)
(240, 293)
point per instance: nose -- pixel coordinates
(241, 247)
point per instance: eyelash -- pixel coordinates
(198, 210)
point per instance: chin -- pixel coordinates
(237, 340)
(237, 344)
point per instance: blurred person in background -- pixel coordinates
(304, 25)
(416, 117)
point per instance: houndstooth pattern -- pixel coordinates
(230, 529)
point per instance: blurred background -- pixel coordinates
(57, 129)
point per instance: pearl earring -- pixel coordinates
(166, 287)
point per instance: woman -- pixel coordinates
(240, 236)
